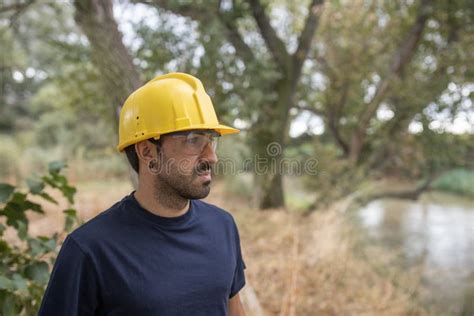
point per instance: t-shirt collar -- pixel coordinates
(157, 219)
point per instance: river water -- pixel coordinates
(434, 234)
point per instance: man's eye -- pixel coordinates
(193, 140)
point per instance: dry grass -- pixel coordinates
(310, 266)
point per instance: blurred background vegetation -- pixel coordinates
(379, 92)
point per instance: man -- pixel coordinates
(160, 250)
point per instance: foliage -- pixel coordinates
(443, 151)
(459, 181)
(53, 98)
(25, 265)
(335, 177)
(358, 42)
(50, 92)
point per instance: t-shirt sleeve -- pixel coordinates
(72, 288)
(239, 275)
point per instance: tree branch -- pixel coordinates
(274, 44)
(309, 109)
(188, 10)
(202, 15)
(306, 36)
(400, 59)
(333, 116)
(413, 194)
(229, 20)
(408, 47)
(19, 6)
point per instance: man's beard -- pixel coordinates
(172, 185)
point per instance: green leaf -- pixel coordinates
(48, 197)
(51, 244)
(49, 181)
(41, 245)
(18, 198)
(71, 219)
(22, 229)
(59, 179)
(9, 307)
(70, 212)
(56, 166)
(20, 282)
(6, 283)
(35, 185)
(35, 247)
(69, 193)
(4, 248)
(5, 191)
(2, 229)
(15, 210)
(34, 207)
(68, 224)
(16, 207)
(60, 182)
(38, 271)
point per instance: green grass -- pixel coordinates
(459, 181)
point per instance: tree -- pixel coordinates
(113, 60)
(48, 85)
(361, 45)
(270, 121)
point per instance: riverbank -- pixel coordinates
(315, 265)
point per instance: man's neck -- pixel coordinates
(161, 204)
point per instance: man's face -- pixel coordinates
(185, 163)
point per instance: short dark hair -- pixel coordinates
(132, 157)
(132, 154)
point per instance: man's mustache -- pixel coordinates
(203, 167)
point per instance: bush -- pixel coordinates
(25, 267)
(460, 181)
(335, 178)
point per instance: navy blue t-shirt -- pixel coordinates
(128, 261)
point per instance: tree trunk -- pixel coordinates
(357, 140)
(115, 64)
(119, 76)
(268, 143)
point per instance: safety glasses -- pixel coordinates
(194, 142)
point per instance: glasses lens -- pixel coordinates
(194, 142)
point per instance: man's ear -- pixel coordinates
(146, 151)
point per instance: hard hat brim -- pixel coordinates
(221, 129)
(226, 130)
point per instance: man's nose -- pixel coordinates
(209, 154)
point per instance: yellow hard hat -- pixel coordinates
(169, 103)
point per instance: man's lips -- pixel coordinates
(205, 175)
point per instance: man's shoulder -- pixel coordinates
(98, 227)
(214, 211)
